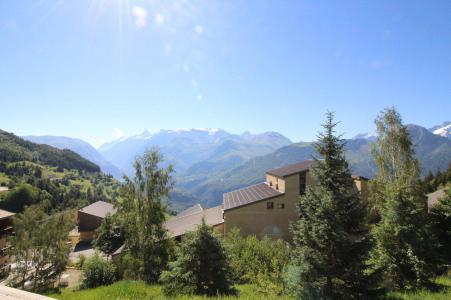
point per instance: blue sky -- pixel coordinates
(97, 69)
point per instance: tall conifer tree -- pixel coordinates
(404, 248)
(331, 238)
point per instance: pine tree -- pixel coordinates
(331, 240)
(403, 244)
(201, 266)
(441, 220)
(141, 211)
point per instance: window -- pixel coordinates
(281, 205)
(277, 186)
(302, 182)
(269, 205)
(270, 183)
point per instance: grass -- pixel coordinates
(443, 292)
(3, 178)
(131, 290)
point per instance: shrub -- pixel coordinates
(80, 262)
(201, 266)
(98, 271)
(258, 261)
(128, 267)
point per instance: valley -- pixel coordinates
(210, 162)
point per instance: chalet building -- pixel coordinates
(269, 207)
(263, 209)
(90, 218)
(188, 220)
(6, 230)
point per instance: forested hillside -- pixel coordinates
(14, 148)
(60, 179)
(80, 147)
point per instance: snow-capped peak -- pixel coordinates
(366, 136)
(210, 131)
(444, 131)
(145, 135)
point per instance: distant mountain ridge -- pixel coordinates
(209, 162)
(433, 152)
(78, 146)
(184, 148)
(443, 130)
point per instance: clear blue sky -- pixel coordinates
(95, 69)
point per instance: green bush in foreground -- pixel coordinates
(258, 261)
(98, 271)
(201, 267)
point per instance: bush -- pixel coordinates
(98, 271)
(80, 262)
(262, 262)
(128, 267)
(201, 267)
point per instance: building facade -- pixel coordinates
(90, 218)
(268, 208)
(6, 230)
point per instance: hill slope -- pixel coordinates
(80, 147)
(14, 148)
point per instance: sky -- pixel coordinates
(102, 69)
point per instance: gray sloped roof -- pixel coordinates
(183, 223)
(250, 194)
(292, 169)
(99, 209)
(191, 210)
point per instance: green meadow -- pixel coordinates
(131, 290)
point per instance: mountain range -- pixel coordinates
(209, 162)
(196, 149)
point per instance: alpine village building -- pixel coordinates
(6, 230)
(263, 209)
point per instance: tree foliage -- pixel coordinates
(142, 212)
(404, 249)
(433, 182)
(331, 239)
(14, 148)
(98, 271)
(32, 183)
(258, 261)
(201, 266)
(39, 247)
(21, 196)
(109, 236)
(441, 222)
